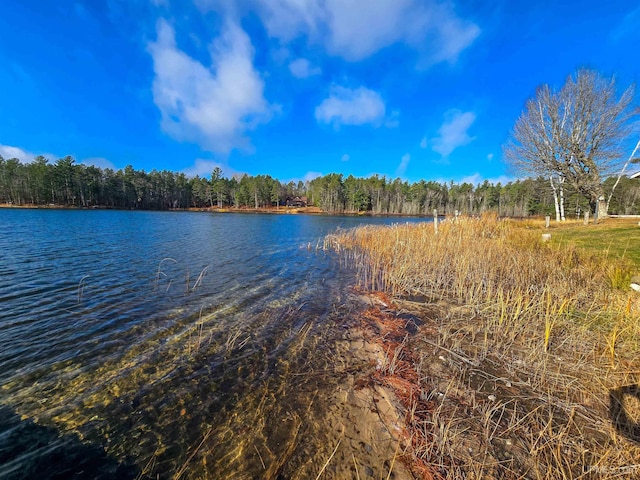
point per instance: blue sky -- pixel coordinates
(418, 89)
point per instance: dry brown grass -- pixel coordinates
(528, 360)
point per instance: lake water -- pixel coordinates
(163, 344)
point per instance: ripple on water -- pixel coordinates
(153, 335)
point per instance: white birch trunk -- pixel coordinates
(561, 188)
(555, 198)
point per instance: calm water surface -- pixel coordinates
(162, 344)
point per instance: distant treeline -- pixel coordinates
(66, 183)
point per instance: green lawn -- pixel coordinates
(618, 238)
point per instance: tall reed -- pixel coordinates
(558, 321)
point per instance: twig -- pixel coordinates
(260, 456)
(183, 468)
(457, 355)
(393, 461)
(355, 465)
(329, 459)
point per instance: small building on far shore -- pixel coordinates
(296, 201)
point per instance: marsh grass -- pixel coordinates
(528, 339)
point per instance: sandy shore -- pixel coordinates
(366, 413)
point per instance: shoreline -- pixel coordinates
(245, 210)
(380, 335)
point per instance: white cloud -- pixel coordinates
(287, 19)
(423, 143)
(302, 68)
(490, 156)
(345, 158)
(354, 32)
(447, 35)
(453, 132)
(347, 106)
(306, 178)
(203, 168)
(213, 106)
(7, 152)
(25, 156)
(99, 162)
(474, 179)
(311, 175)
(477, 179)
(404, 163)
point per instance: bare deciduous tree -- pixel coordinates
(575, 134)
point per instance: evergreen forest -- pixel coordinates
(66, 183)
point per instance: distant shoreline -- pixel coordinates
(262, 210)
